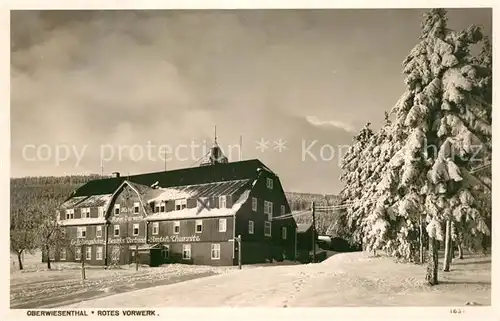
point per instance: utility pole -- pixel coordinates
(313, 228)
(239, 251)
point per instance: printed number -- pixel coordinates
(456, 311)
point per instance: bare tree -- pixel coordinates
(51, 235)
(23, 227)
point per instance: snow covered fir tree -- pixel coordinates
(424, 178)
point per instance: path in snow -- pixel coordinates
(349, 279)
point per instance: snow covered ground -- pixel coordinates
(349, 279)
(37, 287)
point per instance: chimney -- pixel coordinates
(116, 174)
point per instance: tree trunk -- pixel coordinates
(447, 247)
(460, 251)
(484, 244)
(48, 256)
(421, 240)
(20, 260)
(432, 262)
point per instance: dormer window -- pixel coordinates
(222, 201)
(117, 209)
(269, 183)
(162, 207)
(85, 212)
(70, 214)
(180, 204)
(136, 207)
(100, 211)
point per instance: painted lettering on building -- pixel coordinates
(138, 240)
(126, 240)
(78, 242)
(174, 239)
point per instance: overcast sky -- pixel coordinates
(94, 82)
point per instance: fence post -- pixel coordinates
(83, 255)
(136, 257)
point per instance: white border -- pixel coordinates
(473, 313)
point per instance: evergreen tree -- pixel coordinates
(352, 163)
(442, 126)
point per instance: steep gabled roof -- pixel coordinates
(181, 177)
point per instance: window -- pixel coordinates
(98, 253)
(186, 251)
(215, 252)
(156, 228)
(282, 209)
(100, 211)
(177, 227)
(162, 207)
(81, 232)
(199, 226)
(117, 209)
(135, 230)
(157, 208)
(136, 207)
(98, 231)
(268, 209)
(88, 253)
(117, 230)
(269, 183)
(165, 252)
(283, 232)
(62, 255)
(180, 204)
(250, 227)
(52, 256)
(267, 228)
(78, 253)
(222, 201)
(254, 204)
(85, 212)
(70, 214)
(222, 225)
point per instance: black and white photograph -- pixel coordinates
(266, 158)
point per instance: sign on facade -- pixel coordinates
(138, 240)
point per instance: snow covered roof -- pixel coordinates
(201, 211)
(232, 171)
(301, 228)
(72, 202)
(199, 190)
(94, 201)
(83, 221)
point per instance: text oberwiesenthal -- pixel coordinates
(87, 313)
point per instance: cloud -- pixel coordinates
(315, 121)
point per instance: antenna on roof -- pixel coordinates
(165, 158)
(215, 134)
(102, 167)
(241, 148)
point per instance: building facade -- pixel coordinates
(189, 216)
